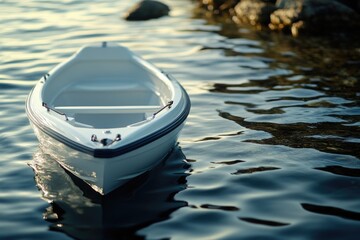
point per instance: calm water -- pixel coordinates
(270, 149)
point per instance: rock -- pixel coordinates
(214, 4)
(313, 16)
(254, 12)
(289, 4)
(284, 18)
(324, 17)
(353, 4)
(147, 9)
(269, 1)
(218, 6)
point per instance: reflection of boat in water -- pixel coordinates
(78, 211)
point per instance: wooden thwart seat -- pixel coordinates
(108, 109)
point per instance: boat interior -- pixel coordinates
(110, 98)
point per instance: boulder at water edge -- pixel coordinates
(254, 11)
(147, 9)
(314, 16)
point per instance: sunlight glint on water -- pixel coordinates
(269, 149)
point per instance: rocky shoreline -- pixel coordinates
(297, 17)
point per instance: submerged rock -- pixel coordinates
(147, 9)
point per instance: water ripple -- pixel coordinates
(264, 222)
(271, 142)
(331, 211)
(254, 170)
(339, 170)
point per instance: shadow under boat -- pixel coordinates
(80, 212)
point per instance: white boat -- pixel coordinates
(106, 115)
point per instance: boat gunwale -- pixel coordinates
(114, 152)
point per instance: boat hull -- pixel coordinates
(106, 174)
(106, 115)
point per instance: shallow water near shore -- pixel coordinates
(270, 149)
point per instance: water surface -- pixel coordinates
(270, 149)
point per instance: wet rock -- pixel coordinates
(313, 16)
(147, 9)
(218, 6)
(353, 4)
(254, 12)
(213, 4)
(298, 17)
(284, 18)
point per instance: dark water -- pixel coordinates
(270, 149)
